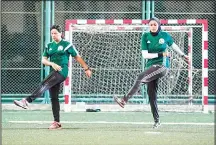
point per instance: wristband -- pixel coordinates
(160, 54)
(87, 69)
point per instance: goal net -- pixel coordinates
(113, 53)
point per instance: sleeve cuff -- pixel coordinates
(160, 54)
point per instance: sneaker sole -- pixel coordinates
(117, 101)
(19, 105)
(55, 128)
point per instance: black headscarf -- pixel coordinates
(159, 26)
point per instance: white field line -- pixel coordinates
(152, 132)
(75, 112)
(107, 122)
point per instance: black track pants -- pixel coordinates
(149, 77)
(52, 83)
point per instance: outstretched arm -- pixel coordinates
(79, 59)
(178, 50)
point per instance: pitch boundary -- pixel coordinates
(109, 122)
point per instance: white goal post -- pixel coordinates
(87, 29)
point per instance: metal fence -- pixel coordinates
(97, 10)
(193, 10)
(21, 69)
(20, 47)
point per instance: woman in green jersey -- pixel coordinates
(154, 48)
(58, 51)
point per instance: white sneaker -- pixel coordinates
(156, 124)
(121, 102)
(22, 103)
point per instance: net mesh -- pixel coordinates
(175, 85)
(113, 52)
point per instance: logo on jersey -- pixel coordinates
(60, 48)
(148, 41)
(50, 49)
(161, 41)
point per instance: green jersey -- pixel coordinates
(156, 44)
(59, 53)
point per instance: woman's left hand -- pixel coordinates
(88, 73)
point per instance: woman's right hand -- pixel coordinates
(56, 67)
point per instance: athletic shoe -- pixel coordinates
(156, 124)
(22, 103)
(55, 125)
(121, 102)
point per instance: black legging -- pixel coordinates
(52, 83)
(149, 77)
(152, 88)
